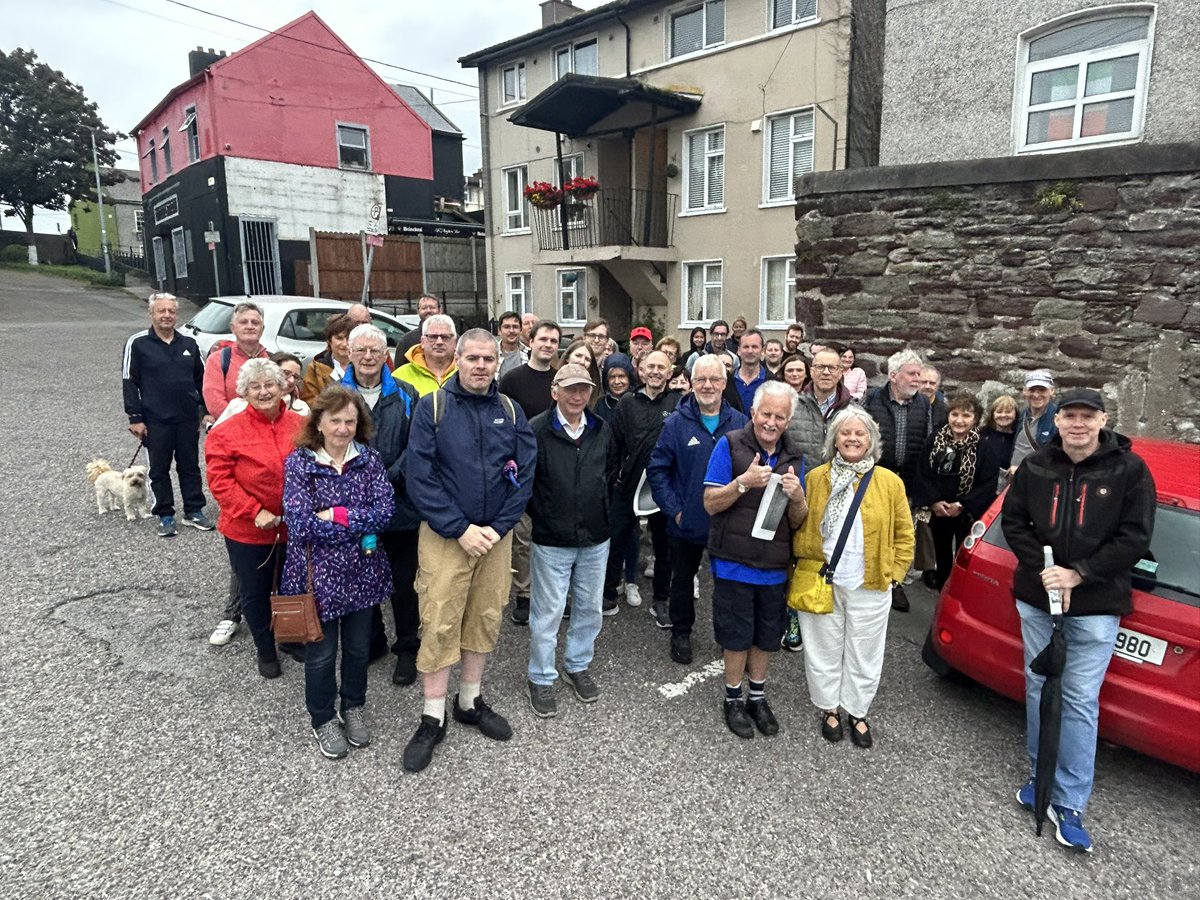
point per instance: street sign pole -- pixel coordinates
(371, 239)
(213, 237)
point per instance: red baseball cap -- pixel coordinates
(641, 332)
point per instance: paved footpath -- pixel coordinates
(138, 761)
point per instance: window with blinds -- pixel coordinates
(580, 57)
(697, 27)
(790, 139)
(704, 161)
(790, 12)
(702, 293)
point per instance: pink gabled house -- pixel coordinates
(290, 133)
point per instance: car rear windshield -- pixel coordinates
(1172, 567)
(213, 318)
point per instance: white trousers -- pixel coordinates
(843, 650)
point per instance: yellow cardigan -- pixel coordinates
(888, 538)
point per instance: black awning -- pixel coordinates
(590, 106)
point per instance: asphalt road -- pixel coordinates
(138, 761)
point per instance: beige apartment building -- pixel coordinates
(695, 118)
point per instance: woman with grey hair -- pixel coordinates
(843, 649)
(244, 458)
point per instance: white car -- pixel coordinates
(290, 324)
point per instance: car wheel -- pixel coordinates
(930, 657)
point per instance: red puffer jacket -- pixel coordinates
(244, 456)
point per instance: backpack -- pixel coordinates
(439, 409)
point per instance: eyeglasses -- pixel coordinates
(438, 337)
(707, 379)
(369, 351)
(595, 336)
(836, 368)
(720, 334)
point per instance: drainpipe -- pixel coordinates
(562, 180)
(628, 47)
(489, 241)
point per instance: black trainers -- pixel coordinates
(198, 520)
(681, 648)
(405, 672)
(609, 606)
(585, 688)
(268, 667)
(661, 612)
(483, 717)
(737, 718)
(541, 700)
(764, 719)
(419, 750)
(520, 611)
(899, 598)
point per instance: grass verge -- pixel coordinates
(78, 273)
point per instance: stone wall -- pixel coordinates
(1086, 263)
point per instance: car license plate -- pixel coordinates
(1139, 648)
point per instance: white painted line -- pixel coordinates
(679, 688)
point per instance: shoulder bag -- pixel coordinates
(294, 617)
(810, 588)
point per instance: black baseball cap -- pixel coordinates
(1081, 397)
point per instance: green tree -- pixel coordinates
(45, 139)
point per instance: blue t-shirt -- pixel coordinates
(711, 422)
(719, 474)
(746, 391)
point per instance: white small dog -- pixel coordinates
(117, 490)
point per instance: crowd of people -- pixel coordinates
(475, 469)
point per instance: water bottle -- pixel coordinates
(1054, 595)
(369, 543)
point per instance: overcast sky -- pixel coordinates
(126, 54)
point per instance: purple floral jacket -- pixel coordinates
(344, 578)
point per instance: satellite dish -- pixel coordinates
(643, 500)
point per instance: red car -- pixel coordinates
(1150, 700)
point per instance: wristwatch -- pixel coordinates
(741, 487)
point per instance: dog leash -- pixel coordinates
(140, 445)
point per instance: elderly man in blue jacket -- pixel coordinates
(469, 469)
(676, 475)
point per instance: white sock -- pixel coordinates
(435, 707)
(467, 692)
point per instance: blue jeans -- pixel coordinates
(1090, 641)
(320, 679)
(553, 572)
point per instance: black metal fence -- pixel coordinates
(634, 217)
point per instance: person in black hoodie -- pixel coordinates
(636, 424)
(616, 388)
(1091, 500)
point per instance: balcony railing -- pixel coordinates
(636, 217)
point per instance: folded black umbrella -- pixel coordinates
(1049, 664)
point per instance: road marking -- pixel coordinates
(679, 688)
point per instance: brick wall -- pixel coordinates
(1086, 263)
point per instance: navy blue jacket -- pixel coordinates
(162, 382)
(455, 470)
(678, 463)
(392, 416)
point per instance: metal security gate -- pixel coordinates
(260, 257)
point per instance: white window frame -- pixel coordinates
(800, 13)
(139, 222)
(1026, 70)
(579, 295)
(710, 315)
(191, 133)
(517, 67)
(366, 133)
(518, 292)
(570, 49)
(789, 286)
(786, 119)
(179, 255)
(163, 202)
(515, 206)
(706, 207)
(706, 43)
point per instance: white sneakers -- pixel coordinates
(649, 572)
(224, 632)
(696, 587)
(632, 595)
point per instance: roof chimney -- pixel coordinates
(200, 59)
(555, 11)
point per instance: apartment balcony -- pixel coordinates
(630, 224)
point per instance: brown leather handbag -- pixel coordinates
(294, 617)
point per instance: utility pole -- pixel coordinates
(100, 200)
